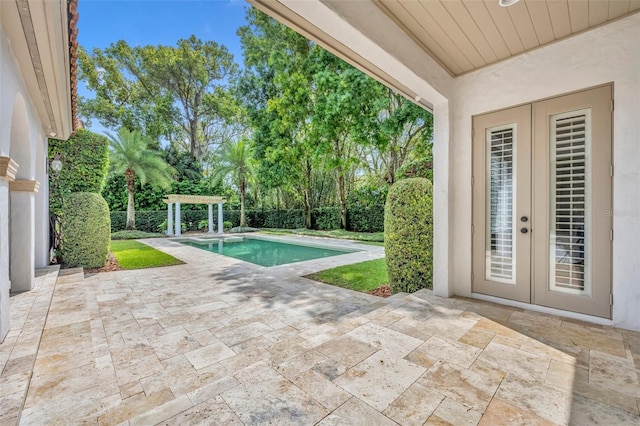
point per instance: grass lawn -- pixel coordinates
(364, 276)
(336, 233)
(134, 235)
(135, 255)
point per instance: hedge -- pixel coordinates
(85, 230)
(365, 218)
(85, 160)
(408, 235)
(323, 218)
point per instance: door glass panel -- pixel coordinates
(569, 180)
(499, 238)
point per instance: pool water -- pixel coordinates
(264, 252)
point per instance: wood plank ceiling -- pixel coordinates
(465, 35)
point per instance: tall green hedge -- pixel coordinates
(408, 235)
(85, 162)
(85, 230)
(366, 218)
(326, 218)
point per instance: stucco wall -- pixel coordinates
(607, 54)
(12, 88)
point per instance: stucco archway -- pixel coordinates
(21, 200)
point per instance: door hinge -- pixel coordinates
(472, 277)
(612, 170)
(611, 105)
(611, 235)
(472, 180)
(472, 229)
(611, 300)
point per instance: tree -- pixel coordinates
(235, 162)
(131, 156)
(176, 92)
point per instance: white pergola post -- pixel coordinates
(210, 217)
(169, 218)
(178, 221)
(220, 220)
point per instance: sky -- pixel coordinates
(153, 22)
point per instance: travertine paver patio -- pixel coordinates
(217, 341)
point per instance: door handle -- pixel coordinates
(524, 219)
(524, 230)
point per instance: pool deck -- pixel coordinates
(221, 341)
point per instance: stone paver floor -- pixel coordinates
(216, 341)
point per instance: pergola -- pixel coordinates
(178, 199)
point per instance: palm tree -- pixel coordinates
(235, 162)
(130, 155)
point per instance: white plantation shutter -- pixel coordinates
(569, 238)
(500, 182)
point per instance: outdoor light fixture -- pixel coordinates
(52, 134)
(418, 98)
(56, 163)
(507, 3)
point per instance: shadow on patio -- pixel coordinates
(222, 343)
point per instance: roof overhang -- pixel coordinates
(39, 35)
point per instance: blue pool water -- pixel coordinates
(264, 252)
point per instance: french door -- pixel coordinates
(542, 180)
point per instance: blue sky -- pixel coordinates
(144, 22)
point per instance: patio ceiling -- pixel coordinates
(459, 35)
(469, 34)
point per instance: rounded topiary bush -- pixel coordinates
(86, 230)
(408, 235)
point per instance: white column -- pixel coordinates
(42, 230)
(442, 285)
(220, 220)
(210, 217)
(22, 240)
(169, 218)
(178, 221)
(4, 258)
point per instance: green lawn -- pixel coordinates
(134, 235)
(135, 255)
(364, 276)
(336, 233)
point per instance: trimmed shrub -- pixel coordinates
(85, 160)
(325, 218)
(366, 218)
(85, 230)
(408, 235)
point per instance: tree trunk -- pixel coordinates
(131, 208)
(342, 198)
(193, 137)
(131, 212)
(307, 196)
(243, 188)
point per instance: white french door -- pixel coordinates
(541, 202)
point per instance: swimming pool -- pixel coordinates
(265, 252)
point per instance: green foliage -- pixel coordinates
(163, 226)
(408, 235)
(363, 276)
(365, 208)
(418, 168)
(326, 218)
(85, 230)
(171, 92)
(136, 255)
(203, 225)
(132, 158)
(235, 161)
(365, 218)
(85, 158)
(226, 225)
(134, 235)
